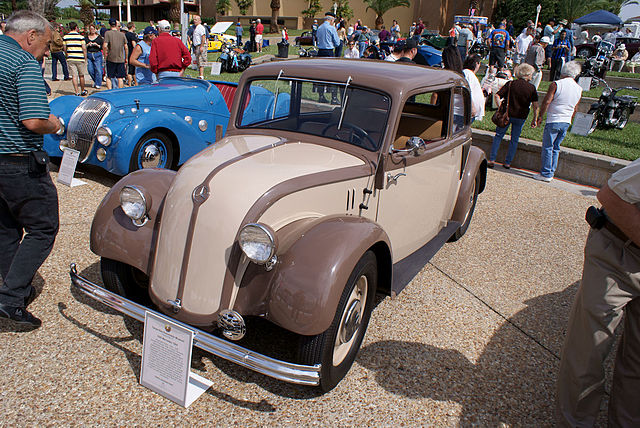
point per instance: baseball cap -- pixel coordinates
(113, 21)
(149, 30)
(333, 15)
(545, 39)
(404, 45)
(164, 25)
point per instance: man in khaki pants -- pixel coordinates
(610, 287)
(76, 50)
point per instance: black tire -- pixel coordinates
(624, 118)
(584, 53)
(594, 124)
(459, 233)
(319, 349)
(124, 280)
(161, 142)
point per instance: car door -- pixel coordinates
(419, 190)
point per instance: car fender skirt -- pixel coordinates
(476, 164)
(113, 234)
(312, 272)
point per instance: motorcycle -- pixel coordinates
(234, 60)
(612, 110)
(480, 48)
(596, 67)
(311, 51)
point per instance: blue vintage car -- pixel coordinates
(150, 126)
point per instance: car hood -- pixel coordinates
(199, 228)
(179, 93)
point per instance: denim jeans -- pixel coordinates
(94, 67)
(361, 48)
(552, 137)
(28, 203)
(168, 74)
(55, 57)
(516, 130)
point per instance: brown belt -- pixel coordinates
(615, 231)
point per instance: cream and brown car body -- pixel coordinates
(327, 173)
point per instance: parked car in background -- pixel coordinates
(586, 50)
(147, 126)
(333, 184)
(306, 38)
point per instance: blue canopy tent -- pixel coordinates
(599, 17)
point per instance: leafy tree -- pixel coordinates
(380, 7)
(275, 10)
(86, 12)
(244, 6)
(174, 11)
(314, 7)
(344, 10)
(223, 6)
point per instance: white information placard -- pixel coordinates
(585, 83)
(215, 68)
(582, 124)
(166, 361)
(68, 166)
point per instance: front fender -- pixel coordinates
(476, 164)
(188, 137)
(62, 107)
(317, 257)
(113, 234)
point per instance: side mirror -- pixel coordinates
(415, 145)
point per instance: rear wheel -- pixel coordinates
(624, 118)
(337, 347)
(473, 198)
(124, 280)
(154, 150)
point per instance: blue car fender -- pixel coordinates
(63, 107)
(188, 137)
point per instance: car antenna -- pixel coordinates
(273, 112)
(345, 97)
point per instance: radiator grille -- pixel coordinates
(83, 124)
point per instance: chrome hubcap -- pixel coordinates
(150, 156)
(351, 321)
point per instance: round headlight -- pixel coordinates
(606, 92)
(101, 154)
(133, 203)
(103, 135)
(257, 242)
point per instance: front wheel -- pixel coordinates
(336, 348)
(124, 280)
(623, 119)
(154, 150)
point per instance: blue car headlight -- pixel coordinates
(103, 136)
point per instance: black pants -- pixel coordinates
(556, 67)
(29, 206)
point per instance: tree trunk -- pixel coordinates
(37, 6)
(379, 22)
(275, 11)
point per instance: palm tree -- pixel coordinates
(380, 7)
(86, 12)
(174, 12)
(275, 9)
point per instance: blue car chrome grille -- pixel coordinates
(83, 124)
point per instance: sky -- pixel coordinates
(67, 3)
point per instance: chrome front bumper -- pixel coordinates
(281, 370)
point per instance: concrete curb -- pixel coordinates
(573, 165)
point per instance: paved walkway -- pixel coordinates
(473, 340)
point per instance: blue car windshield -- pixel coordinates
(338, 111)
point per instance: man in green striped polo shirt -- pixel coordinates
(76, 50)
(28, 197)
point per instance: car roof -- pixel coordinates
(386, 76)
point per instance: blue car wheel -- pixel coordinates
(154, 150)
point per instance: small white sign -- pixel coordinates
(166, 361)
(68, 166)
(585, 83)
(582, 123)
(215, 68)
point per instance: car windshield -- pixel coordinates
(339, 111)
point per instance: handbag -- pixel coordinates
(501, 116)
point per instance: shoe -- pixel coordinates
(490, 164)
(541, 177)
(68, 78)
(335, 101)
(30, 298)
(84, 93)
(19, 316)
(506, 166)
(97, 87)
(55, 80)
(201, 77)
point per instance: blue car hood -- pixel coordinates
(428, 55)
(178, 93)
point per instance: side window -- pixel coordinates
(425, 115)
(461, 110)
(266, 100)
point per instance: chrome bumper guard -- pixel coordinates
(281, 370)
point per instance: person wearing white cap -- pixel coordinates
(169, 56)
(535, 57)
(618, 57)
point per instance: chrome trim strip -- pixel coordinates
(281, 370)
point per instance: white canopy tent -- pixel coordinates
(630, 11)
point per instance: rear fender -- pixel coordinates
(476, 164)
(315, 260)
(113, 234)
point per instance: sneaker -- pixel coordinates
(55, 80)
(19, 316)
(201, 77)
(83, 93)
(541, 177)
(506, 166)
(68, 78)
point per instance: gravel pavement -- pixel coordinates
(474, 340)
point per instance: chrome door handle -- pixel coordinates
(393, 179)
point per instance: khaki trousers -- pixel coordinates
(610, 286)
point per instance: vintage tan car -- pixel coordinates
(343, 188)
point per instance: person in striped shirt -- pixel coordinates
(28, 197)
(76, 50)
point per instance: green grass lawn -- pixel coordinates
(622, 144)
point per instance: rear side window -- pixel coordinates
(425, 115)
(461, 110)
